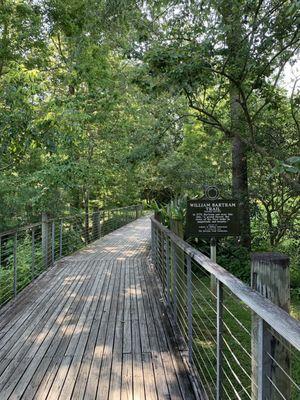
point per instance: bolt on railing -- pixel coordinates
(240, 345)
(28, 251)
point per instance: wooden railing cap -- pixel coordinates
(287, 326)
(277, 258)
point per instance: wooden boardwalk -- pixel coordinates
(93, 327)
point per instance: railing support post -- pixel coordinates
(270, 356)
(213, 257)
(174, 262)
(163, 260)
(190, 307)
(181, 289)
(100, 225)
(32, 253)
(219, 291)
(45, 238)
(156, 233)
(168, 271)
(153, 244)
(263, 337)
(96, 224)
(61, 239)
(108, 222)
(86, 226)
(159, 253)
(53, 241)
(15, 265)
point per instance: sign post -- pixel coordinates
(210, 218)
(213, 256)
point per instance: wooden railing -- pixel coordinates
(240, 344)
(28, 251)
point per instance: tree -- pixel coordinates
(226, 57)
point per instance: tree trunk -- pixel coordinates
(240, 188)
(238, 123)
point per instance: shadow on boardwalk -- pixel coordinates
(93, 327)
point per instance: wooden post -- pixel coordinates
(140, 210)
(45, 239)
(32, 253)
(161, 250)
(96, 224)
(53, 242)
(86, 217)
(190, 306)
(86, 226)
(15, 264)
(157, 216)
(61, 227)
(270, 356)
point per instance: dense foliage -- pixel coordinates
(110, 102)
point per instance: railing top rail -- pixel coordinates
(278, 319)
(103, 210)
(66, 217)
(121, 208)
(20, 229)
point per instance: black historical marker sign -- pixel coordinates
(212, 218)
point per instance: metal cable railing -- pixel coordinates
(27, 251)
(239, 344)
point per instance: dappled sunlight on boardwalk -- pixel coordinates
(93, 327)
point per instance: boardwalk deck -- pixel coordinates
(93, 327)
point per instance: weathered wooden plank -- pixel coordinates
(127, 377)
(84, 329)
(127, 346)
(31, 296)
(95, 333)
(92, 383)
(83, 374)
(156, 347)
(180, 387)
(178, 383)
(105, 373)
(55, 352)
(116, 377)
(118, 338)
(136, 336)
(145, 343)
(38, 351)
(149, 380)
(138, 377)
(31, 316)
(57, 385)
(27, 298)
(60, 309)
(116, 369)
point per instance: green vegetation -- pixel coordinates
(109, 103)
